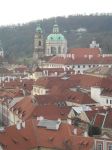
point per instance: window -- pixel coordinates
(99, 146)
(39, 43)
(83, 66)
(110, 101)
(78, 66)
(107, 101)
(59, 50)
(89, 66)
(110, 147)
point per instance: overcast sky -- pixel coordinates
(21, 11)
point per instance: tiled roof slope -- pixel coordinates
(28, 109)
(80, 52)
(33, 136)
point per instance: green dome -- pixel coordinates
(55, 37)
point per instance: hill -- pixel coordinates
(17, 40)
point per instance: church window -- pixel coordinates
(39, 43)
(53, 50)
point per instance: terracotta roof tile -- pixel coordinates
(33, 136)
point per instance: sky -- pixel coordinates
(22, 11)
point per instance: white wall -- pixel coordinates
(96, 95)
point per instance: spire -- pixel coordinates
(55, 21)
(55, 27)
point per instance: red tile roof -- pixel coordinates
(88, 81)
(28, 109)
(100, 116)
(33, 136)
(80, 60)
(80, 52)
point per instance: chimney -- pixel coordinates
(18, 125)
(85, 134)
(40, 118)
(73, 56)
(75, 131)
(23, 124)
(58, 123)
(69, 121)
(8, 79)
(59, 120)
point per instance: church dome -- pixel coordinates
(55, 37)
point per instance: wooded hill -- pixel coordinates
(17, 40)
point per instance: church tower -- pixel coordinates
(38, 44)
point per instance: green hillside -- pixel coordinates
(17, 40)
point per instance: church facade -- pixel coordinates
(55, 43)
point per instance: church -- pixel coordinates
(55, 43)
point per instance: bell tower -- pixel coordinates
(38, 44)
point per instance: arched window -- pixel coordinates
(59, 50)
(53, 50)
(39, 43)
